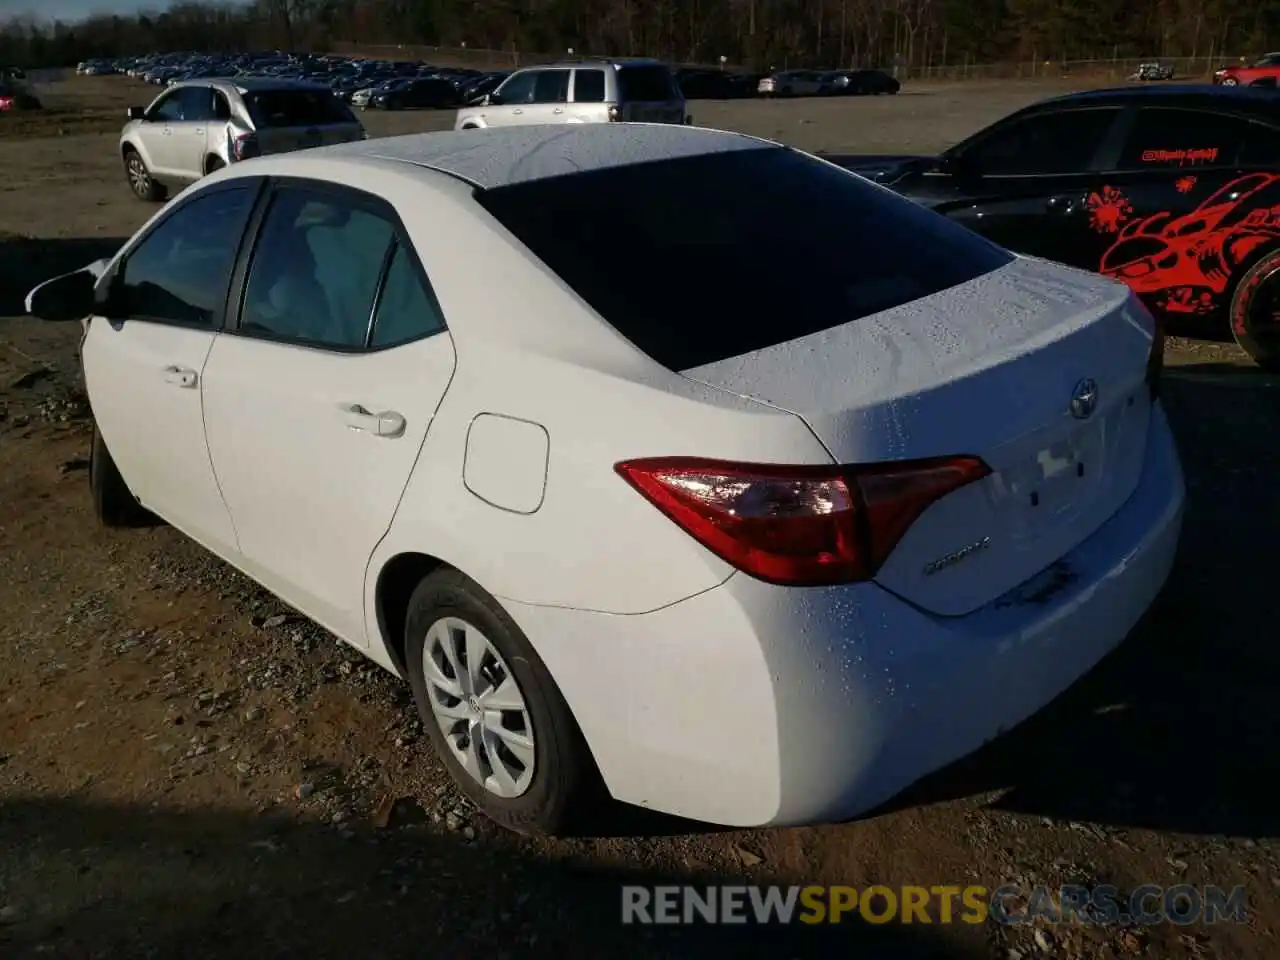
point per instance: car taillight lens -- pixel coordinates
(798, 525)
(246, 146)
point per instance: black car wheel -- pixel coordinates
(113, 503)
(144, 188)
(1255, 311)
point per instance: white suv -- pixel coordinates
(588, 91)
(198, 126)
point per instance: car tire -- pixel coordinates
(1230, 82)
(1258, 291)
(446, 607)
(140, 180)
(212, 164)
(113, 503)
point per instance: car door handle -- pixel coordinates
(558, 110)
(180, 376)
(200, 132)
(385, 424)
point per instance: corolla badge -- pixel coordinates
(1084, 399)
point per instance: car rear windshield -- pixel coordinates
(296, 108)
(703, 258)
(646, 84)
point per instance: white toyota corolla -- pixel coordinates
(526, 418)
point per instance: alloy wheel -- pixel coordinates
(479, 706)
(139, 178)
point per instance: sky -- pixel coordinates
(77, 9)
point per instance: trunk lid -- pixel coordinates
(647, 93)
(988, 368)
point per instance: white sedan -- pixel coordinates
(530, 424)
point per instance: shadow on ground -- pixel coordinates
(1176, 730)
(26, 262)
(86, 879)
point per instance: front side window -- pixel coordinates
(816, 247)
(315, 269)
(169, 109)
(179, 272)
(519, 88)
(1047, 143)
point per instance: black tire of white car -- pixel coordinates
(140, 182)
(1245, 309)
(113, 503)
(564, 776)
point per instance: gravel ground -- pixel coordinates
(188, 768)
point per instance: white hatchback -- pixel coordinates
(752, 544)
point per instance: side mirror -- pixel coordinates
(68, 297)
(490, 100)
(137, 113)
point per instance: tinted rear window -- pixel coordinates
(296, 108)
(646, 84)
(703, 258)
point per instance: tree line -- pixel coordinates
(757, 33)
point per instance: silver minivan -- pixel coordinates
(585, 91)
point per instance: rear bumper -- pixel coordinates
(752, 704)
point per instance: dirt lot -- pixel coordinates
(189, 769)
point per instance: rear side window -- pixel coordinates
(295, 108)
(649, 83)
(671, 256)
(588, 86)
(1165, 137)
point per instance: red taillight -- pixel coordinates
(246, 146)
(798, 526)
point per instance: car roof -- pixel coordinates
(252, 84)
(597, 62)
(1188, 94)
(504, 156)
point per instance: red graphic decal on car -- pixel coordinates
(1201, 155)
(1183, 264)
(1108, 210)
(1185, 184)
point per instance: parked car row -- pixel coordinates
(383, 84)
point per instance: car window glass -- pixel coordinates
(1164, 137)
(842, 259)
(588, 86)
(221, 108)
(179, 271)
(1047, 143)
(296, 108)
(169, 109)
(406, 309)
(552, 86)
(197, 104)
(1261, 146)
(519, 88)
(646, 83)
(315, 269)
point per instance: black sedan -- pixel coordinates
(424, 93)
(1172, 190)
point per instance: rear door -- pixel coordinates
(550, 98)
(647, 93)
(288, 119)
(318, 398)
(1185, 204)
(1026, 183)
